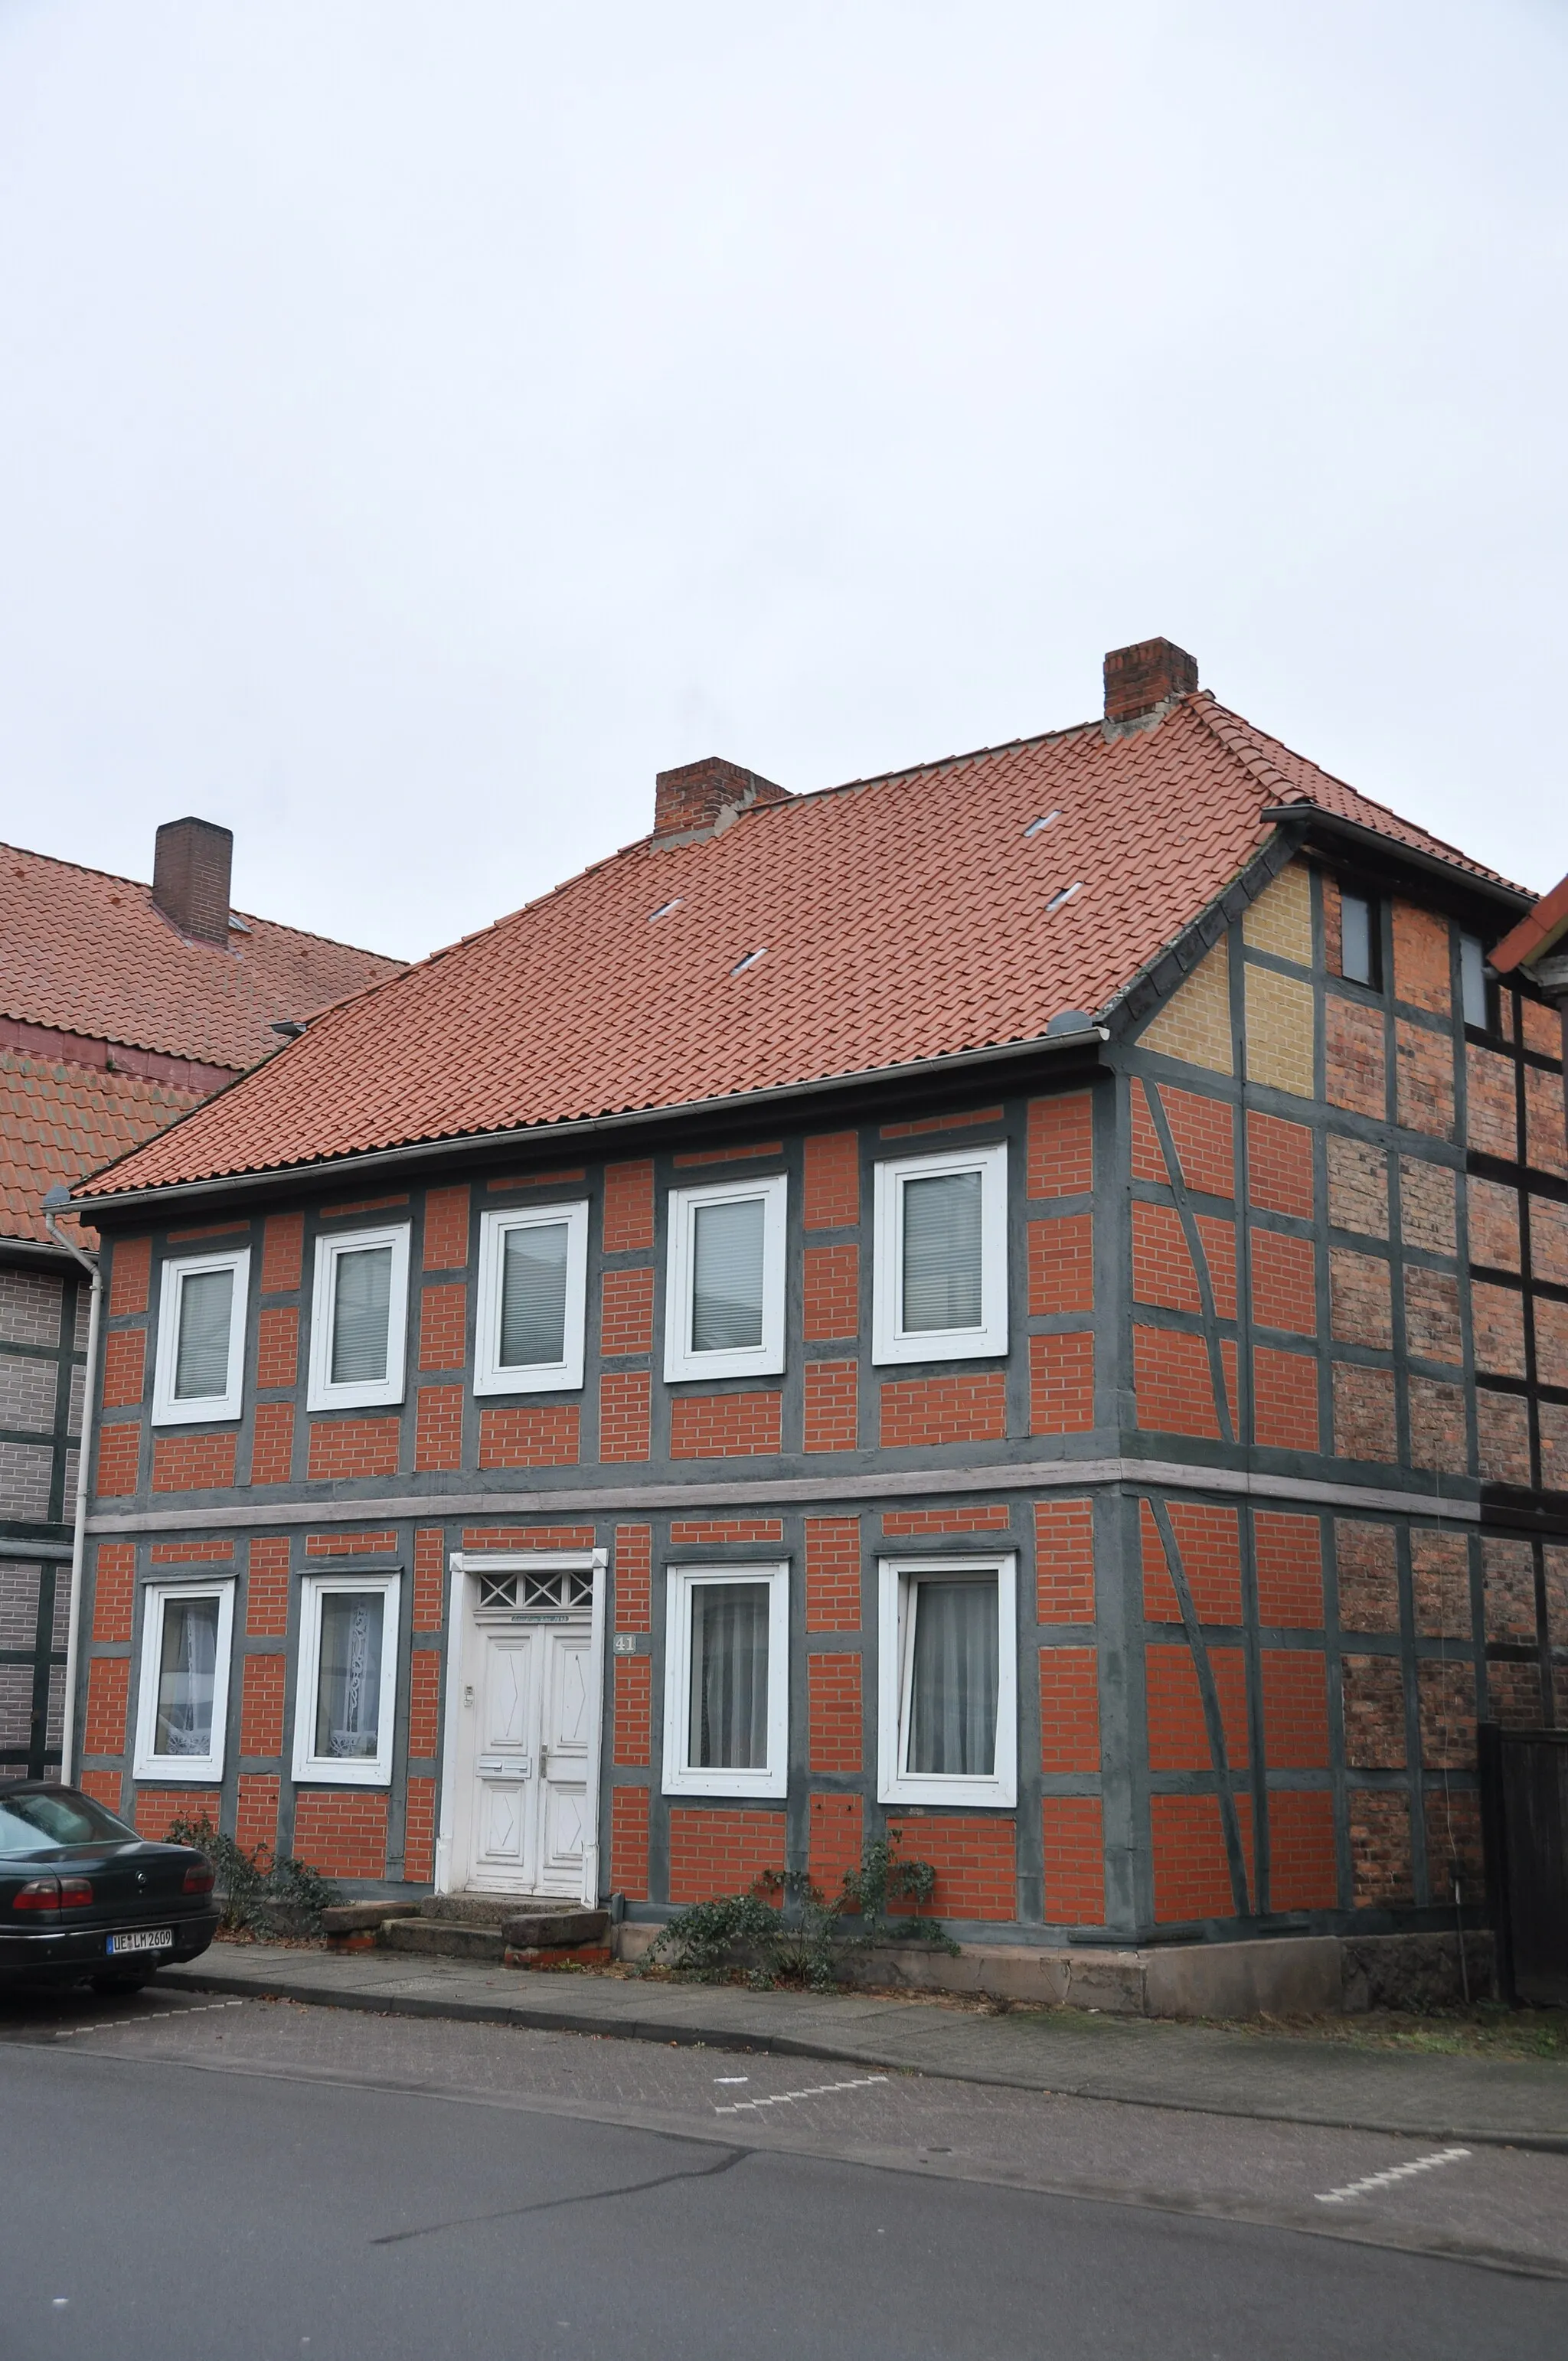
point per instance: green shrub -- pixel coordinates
(785, 1930)
(258, 1891)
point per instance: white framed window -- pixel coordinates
(727, 1680)
(534, 1268)
(947, 1681)
(939, 1270)
(187, 1631)
(724, 1310)
(199, 1372)
(348, 1679)
(359, 1318)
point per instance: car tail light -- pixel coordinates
(75, 1892)
(38, 1894)
(199, 1877)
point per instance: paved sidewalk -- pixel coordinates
(1515, 2101)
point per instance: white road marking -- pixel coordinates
(787, 2098)
(116, 2023)
(1394, 2172)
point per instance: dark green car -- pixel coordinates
(84, 1900)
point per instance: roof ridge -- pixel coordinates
(143, 886)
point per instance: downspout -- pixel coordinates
(59, 1201)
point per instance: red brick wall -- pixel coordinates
(1284, 1400)
(832, 1181)
(1303, 1872)
(924, 1412)
(1421, 957)
(1190, 1876)
(124, 1358)
(625, 1320)
(367, 1542)
(1354, 1061)
(1162, 1264)
(342, 1832)
(447, 1228)
(278, 1345)
(267, 1588)
(1061, 1264)
(424, 1705)
(1363, 1413)
(634, 1717)
(973, 1855)
(1295, 1709)
(130, 1275)
(113, 1590)
(1070, 1709)
(119, 1452)
(430, 1578)
(1059, 1157)
(1284, 1282)
(1074, 1860)
(1424, 1079)
(979, 1517)
(718, 1532)
(255, 1817)
(419, 1832)
(1379, 1847)
(193, 1463)
(272, 1442)
(1170, 1375)
(833, 1690)
(191, 1553)
(831, 1419)
(832, 1574)
(344, 1448)
(1179, 1736)
(282, 1252)
(963, 1122)
(1210, 1542)
(1373, 1693)
(1064, 1561)
(835, 1842)
(625, 1414)
(1289, 1571)
(1280, 1165)
(103, 1725)
(632, 1569)
(831, 1284)
(1201, 1133)
(715, 1851)
(157, 1808)
(628, 1842)
(444, 1326)
(438, 1430)
(628, 1207)
(725, 1426)
(261, 1705)
(529, 1435)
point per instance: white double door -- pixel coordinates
(528, 1747)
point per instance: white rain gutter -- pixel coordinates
(58, 1201)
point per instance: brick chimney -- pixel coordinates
(191, 878)
(701, 797)
(1141, 679)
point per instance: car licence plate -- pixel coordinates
(142, 1938)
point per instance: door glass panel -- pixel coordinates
(348, 1683)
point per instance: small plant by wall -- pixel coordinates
(785, 1930)
(261, 1893)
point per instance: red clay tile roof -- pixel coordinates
(900, 919)
(87, 954)
(57, 1122)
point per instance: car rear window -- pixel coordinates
(41, 1823)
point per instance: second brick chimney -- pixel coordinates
(702, 796)
(191, 869)
(1143, 678)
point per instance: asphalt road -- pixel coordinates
(257, 2182)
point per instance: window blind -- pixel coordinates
(730, 1676)
(533, 1297)
(942, 1251)
(202, 1353)
(361, 1302)
(186, 1665)
(952, 1688)
(348, 1674)
(726, 1276)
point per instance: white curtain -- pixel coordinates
(533, 1296)
(729, 1676)
(941, 1251)
(952, 1701)
(187, 1664)
(726, 1276)
(362, 1297)
(201, 1354)
(348, 1678)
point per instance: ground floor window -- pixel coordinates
(947, 1705)
(726, 1681)
(181, 1715)
(348, 1658)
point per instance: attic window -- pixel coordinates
(750, 960)
(1066, 894)
(1036, 825)
(664, 910)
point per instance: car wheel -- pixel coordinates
(121, 1979)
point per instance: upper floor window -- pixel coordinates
(187, 1630)
(533, 1286)
(1361, 940)
(725, 1298)
(1475, 998)
(358, 1317)
(939, 1280)
(200, 1367)
(948, 1719)
(726, 1681)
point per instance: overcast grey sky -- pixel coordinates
(420, 424)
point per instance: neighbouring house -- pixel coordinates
(1023, 1300)
(122, 1005)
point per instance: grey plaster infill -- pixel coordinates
(1015, 1476)
(1195, 2068)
